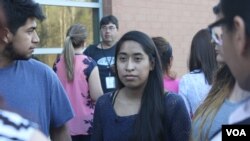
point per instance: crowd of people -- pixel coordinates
(123, 89)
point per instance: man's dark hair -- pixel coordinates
(17, 12)
(109, 19)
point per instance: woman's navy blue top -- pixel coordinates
(108, 126)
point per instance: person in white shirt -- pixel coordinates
(195, 85)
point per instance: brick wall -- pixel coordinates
(176, 20)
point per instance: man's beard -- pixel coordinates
(11, 53)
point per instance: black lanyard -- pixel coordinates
(106, 57)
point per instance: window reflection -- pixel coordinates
(48, 59)
(52, 30)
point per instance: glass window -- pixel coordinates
(52, 30)
(46, 58)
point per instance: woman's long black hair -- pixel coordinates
(149, 121)
(202, 55)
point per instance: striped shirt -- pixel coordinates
(14, 127)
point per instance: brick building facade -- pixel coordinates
(176, 20)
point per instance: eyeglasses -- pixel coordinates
(106, 28)
(216, 31)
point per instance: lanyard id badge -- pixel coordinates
(110, 82)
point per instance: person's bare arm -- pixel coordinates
(38, 136)
(60, 134)
(95, 87)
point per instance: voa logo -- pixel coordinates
(236, 132)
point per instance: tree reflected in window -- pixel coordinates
(52, 30)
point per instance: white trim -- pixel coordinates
(100, 10)
(48, 51)
(70, 3)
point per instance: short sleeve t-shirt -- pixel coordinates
(33, 89)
